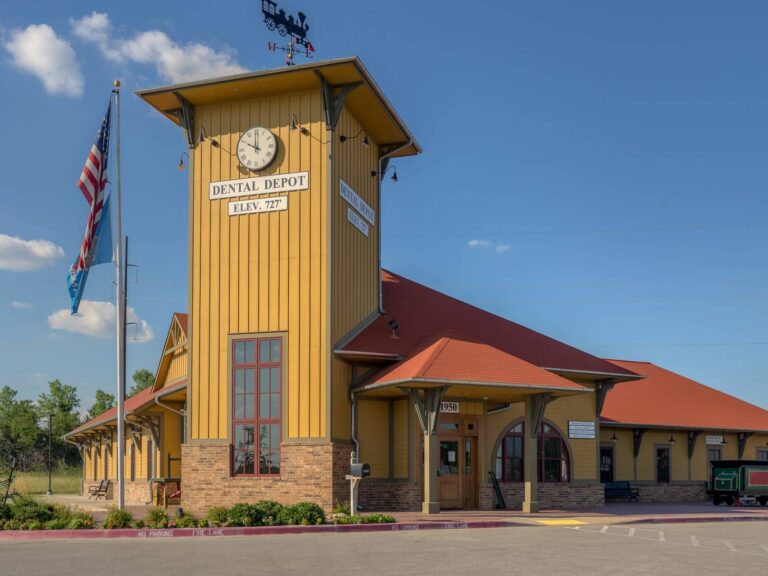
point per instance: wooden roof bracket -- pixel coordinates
(333, 99)
(540, 402)
(637, 439)
(602, 387)
(692, 437)
(428, 407)
(186, 117)
(742, 437)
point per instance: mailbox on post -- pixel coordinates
(357, 471)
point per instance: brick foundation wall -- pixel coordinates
(677, 492)
(309, 472)
(388, 495)
(551, 495)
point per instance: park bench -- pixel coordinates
(621, 490)
(99, 491)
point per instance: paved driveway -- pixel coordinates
(719, 548)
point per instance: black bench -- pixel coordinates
(621, 490)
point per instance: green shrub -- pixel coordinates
(189, 521)
(341, 507)
(5, 512)
(117, 518)
(346, 519)
(138, 524)
(268, 512)
(56, 524)
(26, 509)
(243, 514)
(157, 518)
(217, 516)
(377, 519)
(80, 521)
(12, 524)
(303, 513)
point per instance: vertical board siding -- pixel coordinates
(259, 273)
(400, 437)
(355, 256)
(373, 433)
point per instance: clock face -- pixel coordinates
(257, 148)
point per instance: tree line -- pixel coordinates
(24, 423)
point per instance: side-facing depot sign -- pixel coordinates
(258, 185)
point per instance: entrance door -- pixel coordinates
(449, 477)
(606, 464)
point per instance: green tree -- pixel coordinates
(20, 435)
(101, 404)
(142, 379)
(61, 403)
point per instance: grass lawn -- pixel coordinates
(63, 481)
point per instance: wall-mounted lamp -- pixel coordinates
(203, 137)
(671, 437)
(393, 177)
(614, 437)
(366, 143)
(181, 160)
(296, 126)
(724, 440)
(393, 325)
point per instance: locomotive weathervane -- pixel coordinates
(296, 28)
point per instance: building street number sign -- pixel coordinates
(578, 429)
(360, 205)
(449, 407)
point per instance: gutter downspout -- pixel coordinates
(378, 231)
(354, 429)
(179, 412)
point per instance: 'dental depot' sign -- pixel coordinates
(258, 185)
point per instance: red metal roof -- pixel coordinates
(664, 398)
(447, 359)
(182, 318)
(422, 313)
(132, 404)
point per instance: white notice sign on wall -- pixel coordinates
(713, 439)
(258, 206)
(258, 185)
(346, 192)
(357, 222)
(578, 429)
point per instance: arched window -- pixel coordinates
(553, 460)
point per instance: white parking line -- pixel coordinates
(731, 547)
(604, 529)
(631, 532)
(694, 540)
(661, 536)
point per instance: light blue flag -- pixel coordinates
(102, 254)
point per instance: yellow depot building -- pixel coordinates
(299, 350)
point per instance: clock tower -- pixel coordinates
(284, 267)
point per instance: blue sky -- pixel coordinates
(593, 170)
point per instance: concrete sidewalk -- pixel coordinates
(610, 514)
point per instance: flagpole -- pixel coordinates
(120, 285)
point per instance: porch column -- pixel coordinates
(534, 413)
(427, 406)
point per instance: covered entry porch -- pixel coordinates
(443, 376)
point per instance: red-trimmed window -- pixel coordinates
(553, 458)
(257, 375)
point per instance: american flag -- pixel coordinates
(92, 183)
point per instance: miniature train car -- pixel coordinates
(737, 481)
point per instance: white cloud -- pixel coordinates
(20, 305)
(22, 255)
(38, 50)
(174, 62)
(97, 318)
(499, 248)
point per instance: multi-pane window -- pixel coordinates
(553, 460)
(662, 465)
(256, 406)
(762, 454)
